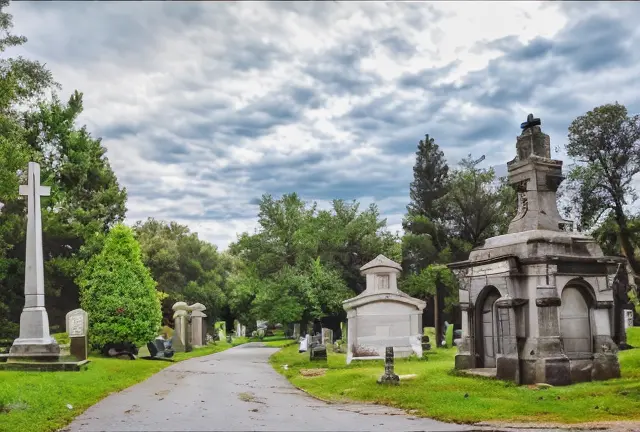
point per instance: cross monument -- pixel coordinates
(34, 340)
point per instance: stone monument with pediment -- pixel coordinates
(537, 302)
(383, 316)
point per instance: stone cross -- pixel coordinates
(389, 377)
(34, 339)
(531, 122)
(34, 264)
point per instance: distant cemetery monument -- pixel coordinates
(537, 303)
(35, 348)
(383, 316)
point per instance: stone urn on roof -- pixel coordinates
(382, 315)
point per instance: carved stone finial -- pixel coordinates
(531, 122)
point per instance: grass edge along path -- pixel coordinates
(40, 401)
(438, 392)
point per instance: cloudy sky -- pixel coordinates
(205, 106)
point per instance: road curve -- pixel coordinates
(236, 390)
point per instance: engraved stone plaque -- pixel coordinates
(77, 323)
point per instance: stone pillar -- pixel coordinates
(507, 360)
(465, 358)
(179, 340)
(550, 364)
(197, 338)
(389, 376)
(605, 350)
(351, 333)
(77, 328)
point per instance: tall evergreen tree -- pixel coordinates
(429, 180)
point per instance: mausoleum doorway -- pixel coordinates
(575, 321)
(486, 327)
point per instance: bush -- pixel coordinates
(119, 294)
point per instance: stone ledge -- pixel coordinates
(27, 366)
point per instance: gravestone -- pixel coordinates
(198, 333)
(34, 341)
(327, 336)
(221, 327)
(426, 346)
(389, 377)
(628, 318)
(296, 331)
(180, 323)
(244, 331)
(158, 350)
(77, 327)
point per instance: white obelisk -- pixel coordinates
(35, 340)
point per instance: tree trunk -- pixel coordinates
(436, 318)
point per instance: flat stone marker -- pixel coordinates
(77, 328)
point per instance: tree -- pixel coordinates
(429, 184)
(605, 144)
(478, 206)
(185, 267)
(119, 294)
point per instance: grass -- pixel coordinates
(438, 392)
(37, 401)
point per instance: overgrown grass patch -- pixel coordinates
(37, 401)
(441, 393)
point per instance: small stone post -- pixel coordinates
(197, 325)
(389, 377)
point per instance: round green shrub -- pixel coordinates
(119, 294)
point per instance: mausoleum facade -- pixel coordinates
(383, 316)
(537, 302)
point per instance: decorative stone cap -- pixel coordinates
(197, 307)
(180, 306)
(381, 264)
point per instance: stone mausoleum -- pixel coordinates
(383, 316)
(537, 302)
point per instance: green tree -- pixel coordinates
(185, 267)
(605, 144)
(119, 294)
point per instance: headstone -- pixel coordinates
(426, 346)
(77, 327)
(327, 336)
(317, 352)
(198, 325)
(158, 350)
(628, 318)
(238, 328)
(389, 377)
(244, 331)
(180, 323)
(296, 331)
(303, 345)
(34, 341)
(221, 326)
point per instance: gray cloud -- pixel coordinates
(204, 107)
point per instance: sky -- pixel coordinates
(205, 106)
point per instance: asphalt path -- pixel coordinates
(237, 390)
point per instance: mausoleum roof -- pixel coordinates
(381, 261)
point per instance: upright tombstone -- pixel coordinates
(180, 323)
(198, 334)
(382, 316)
(243, 331)
(77, 327)
(221, 327)
(389, 377)
(34, 342)
(537, 301)
(296, 331)
(327, 336)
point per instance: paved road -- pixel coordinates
(236, 390)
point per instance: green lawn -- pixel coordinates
(37, 401)
(439, 393)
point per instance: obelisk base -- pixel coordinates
(35, 343)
